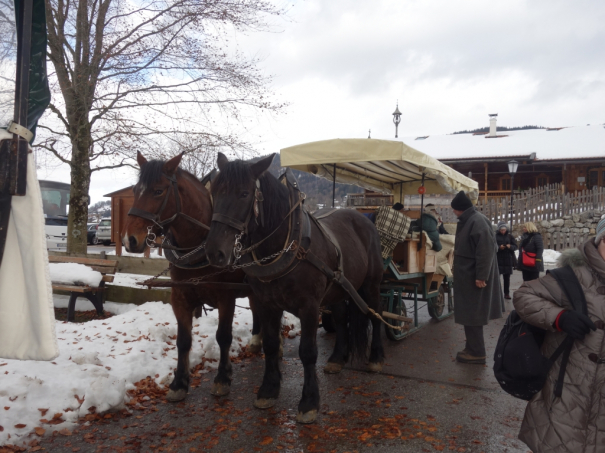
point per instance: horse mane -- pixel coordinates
(276, 195)
(151, 173)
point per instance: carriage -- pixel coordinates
(413, 272)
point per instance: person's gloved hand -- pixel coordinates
(575, 324)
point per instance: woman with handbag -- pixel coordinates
(506, 255)
(530, 253)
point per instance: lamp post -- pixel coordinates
(512, 169)
(396, 118)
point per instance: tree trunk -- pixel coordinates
(80, 184)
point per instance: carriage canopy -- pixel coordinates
(380, 165)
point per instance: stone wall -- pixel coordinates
(584, 224)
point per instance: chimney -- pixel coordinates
(493, 131)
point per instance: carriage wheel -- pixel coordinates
(327, 322)
(437, 304)
(397, 307)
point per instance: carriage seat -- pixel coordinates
(96, 295)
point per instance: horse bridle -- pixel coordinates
(155, 218)
(257, 210)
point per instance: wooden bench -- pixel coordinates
(94, 294)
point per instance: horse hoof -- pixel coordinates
(176, 395)
(265, 403)
(374, 367)
(307, 417)
(254, 348)
(220, 389)
(332, 368)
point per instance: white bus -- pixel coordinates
(55, 203)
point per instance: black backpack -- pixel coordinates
(520, 367)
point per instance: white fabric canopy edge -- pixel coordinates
(319, 157)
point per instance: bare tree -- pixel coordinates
(149, 75)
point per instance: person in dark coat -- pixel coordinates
(531, 242)
(506, 255)
(476, 278)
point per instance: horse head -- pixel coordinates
(234, 193)
(163, 192)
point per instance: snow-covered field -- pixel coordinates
(101, 360)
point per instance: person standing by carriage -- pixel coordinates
(478, 294)
(506, 255)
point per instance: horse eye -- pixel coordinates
(244, 194)
(158, 192)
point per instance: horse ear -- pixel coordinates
(171, 166)
(221, 161)
(262, 165)
(141, 159)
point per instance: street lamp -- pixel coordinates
(512, 169)
(396, 118)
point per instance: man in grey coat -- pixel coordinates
(476, 282)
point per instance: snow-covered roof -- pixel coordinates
(577, 142)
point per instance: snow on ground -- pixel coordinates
(550, 256)
(74, 274)
(101, 360)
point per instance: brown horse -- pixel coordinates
(250, 207)
(183, 215)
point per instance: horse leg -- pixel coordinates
(256, 342)
(184, 317)
(341, 348)
(269, 390)
(309, 403)
(222, 381)
(371, 294)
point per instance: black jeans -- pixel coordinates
(506, 278)
(475, 345)
(530, 275)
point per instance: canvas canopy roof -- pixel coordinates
(381, 165)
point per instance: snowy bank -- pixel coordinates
(100, 361)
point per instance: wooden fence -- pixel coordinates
(535, 205)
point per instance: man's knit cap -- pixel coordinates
(461, 202)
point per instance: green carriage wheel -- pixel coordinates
(437, 304)
(397, 306)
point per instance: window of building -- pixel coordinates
(596, 177)
(542, 180)
(505, 182)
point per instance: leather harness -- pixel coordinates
(299, 231)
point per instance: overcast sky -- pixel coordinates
(343, 64)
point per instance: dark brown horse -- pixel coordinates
(238, 210)
(156, 207)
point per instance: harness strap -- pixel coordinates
(256, 245)
(155, 218)
(221, 218)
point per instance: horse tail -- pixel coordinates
(359, 332)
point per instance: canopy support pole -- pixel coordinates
(421, 209)
(333, 184)
(401, 193)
